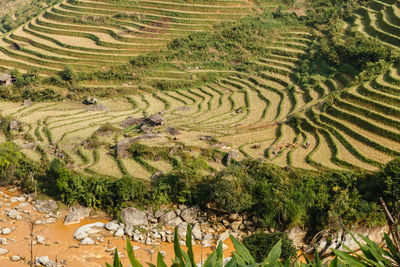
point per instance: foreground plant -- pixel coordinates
(372, 256)
(241, 257)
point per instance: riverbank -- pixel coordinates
(55, 240)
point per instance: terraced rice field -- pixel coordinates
(264, 115)
(381, 19)
(86, 34)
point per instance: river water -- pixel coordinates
(60, 244)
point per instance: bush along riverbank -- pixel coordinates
(278, 198)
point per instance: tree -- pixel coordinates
(68, 74)
(390, 179)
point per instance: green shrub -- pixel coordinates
(389, 183)
(260, 245)
(107, 127)
(41, 95)
(92, 191)
(15, 168)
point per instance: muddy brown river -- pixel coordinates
(61, 246)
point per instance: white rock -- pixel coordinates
(207, 240)
(84, 231)
(80, 235)
(23, 205)
(196, 231)
(3, 251)
(87, 241)
(46, 206)
(6, 231)
(111, 249)
(224, 236)
(40, 239)
(129, 231)
(119, 233)
(134, 217)
(13, 214)
(157, 236)
(50, 220)
(44, 260)
(159, 213)
(17, 199)
(76, 215)
(136, 237)
(182, 227)
(174, 222)
(15, 258)
(167, 217)
(149, 241)
(39, 222)
(190, 214)
(112, 226)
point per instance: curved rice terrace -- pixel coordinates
(86, 34)
(264, 115)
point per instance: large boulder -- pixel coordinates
(87, 241)
(235, 225)
(230, 156)
(224, 236)
(182, 230)
(174, 222)
(196, 231)
(172, 131)
(86, 230)
(159, 213)
(76, 214)
(167, 217)
(297, 235)
(27, 102)
(46, 206)
(120, 232)
(112, 226)
(14, 125)
(14, 214)
(134, 217)
(130, 121)
(207, 240)
(43, 261)
(190, 214)
(31, 145)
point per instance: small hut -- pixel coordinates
(155, 120)
(6, 79)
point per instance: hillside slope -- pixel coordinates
(264, 86)
(89, 34)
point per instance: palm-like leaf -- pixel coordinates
(394, 254)
(242, 251)
(272, 258)
(190, 246)
(131, 255)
